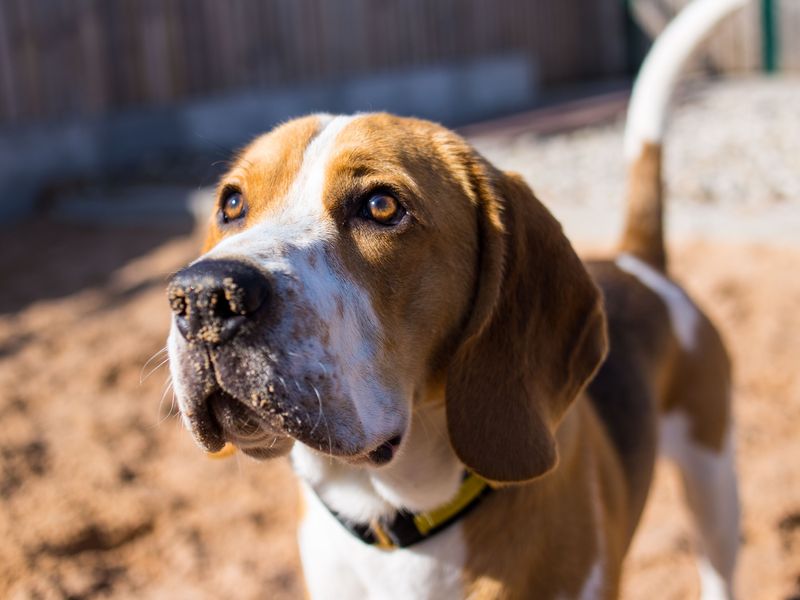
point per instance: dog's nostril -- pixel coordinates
(177, 301)
(217, 305)
(213, 298)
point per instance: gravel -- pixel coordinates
(732, 164)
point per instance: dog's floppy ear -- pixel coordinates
(535, 336)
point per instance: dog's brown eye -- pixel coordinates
(384, 209)
(233, 206)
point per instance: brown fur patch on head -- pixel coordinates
(420, 274)
(536, 336)
(263, 172)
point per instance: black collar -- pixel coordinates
(405, 528)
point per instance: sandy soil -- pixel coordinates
(103, 494)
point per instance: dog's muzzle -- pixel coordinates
(214, 301)
(240, 383)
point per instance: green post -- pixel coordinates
(769, 35)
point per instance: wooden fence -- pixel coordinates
(84, 57)
(737, 45)
(789, 35)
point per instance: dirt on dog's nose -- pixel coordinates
(212, 299)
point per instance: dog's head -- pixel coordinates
(353, 264)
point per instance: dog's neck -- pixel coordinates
(425, 473)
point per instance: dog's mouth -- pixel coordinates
(223, 418)
(239, 398)
(385, 452)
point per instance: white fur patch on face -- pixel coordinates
(301, 219)
(328, 329)
(683, 314)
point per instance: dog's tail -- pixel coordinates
(643, 234)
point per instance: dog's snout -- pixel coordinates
(212, 299)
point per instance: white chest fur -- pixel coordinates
(424, 475)
(339, 566)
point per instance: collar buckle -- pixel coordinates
(382, 539)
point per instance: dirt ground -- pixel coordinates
(103, 494)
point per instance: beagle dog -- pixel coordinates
(471, 410)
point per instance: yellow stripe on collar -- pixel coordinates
(472, 487)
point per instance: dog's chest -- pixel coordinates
(337, 565)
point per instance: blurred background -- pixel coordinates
(116, 117)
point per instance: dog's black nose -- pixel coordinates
(212, 299)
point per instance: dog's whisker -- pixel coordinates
(426, 421)
(153, 370)
(324, 420)
(164, 389)
(422, 421)
(248, 163)
(283, 383)
(239, 464)
(168, 387)
(319, 402)
(155, 355)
